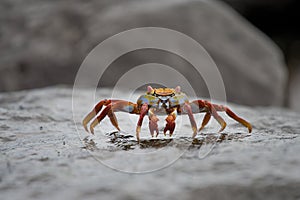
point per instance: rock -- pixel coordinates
(61, 161)
(45, 42)
(294, 90)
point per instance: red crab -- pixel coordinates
(161, 101)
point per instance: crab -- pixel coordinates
(161, 101)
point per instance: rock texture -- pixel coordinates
(43, 157)
(44, 42)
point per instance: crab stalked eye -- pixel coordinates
(177, 89)
(150, 90)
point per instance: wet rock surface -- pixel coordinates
(46, 154)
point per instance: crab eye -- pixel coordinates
(173, 94)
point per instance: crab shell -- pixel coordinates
(163, 99)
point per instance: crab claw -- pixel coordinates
(170, 126)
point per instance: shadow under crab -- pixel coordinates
(124, 141)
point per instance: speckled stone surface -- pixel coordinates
(46, 154)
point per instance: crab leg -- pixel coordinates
(95, 111)
(143, 112)
(107, 111)
(231, 114)
(187, 109)
(114, 106)
(213, 112)
(153, 122)
(211, 109)
(205, 120)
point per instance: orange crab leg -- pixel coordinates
(107, 111)
(187, 108)
(231, 114)
(214, 113)
(95, 111)
(115, 105)
(211, 109)
(143, 112)
(205, 120)
(153, 119)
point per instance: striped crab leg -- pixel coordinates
(95, 111)
(153, 119)
(188, 110)
(143, 111)
(111, 107)
(212, 109)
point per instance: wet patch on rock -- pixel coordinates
(123, 141)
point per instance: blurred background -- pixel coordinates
(255, 43)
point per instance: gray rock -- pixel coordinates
(294, 90)
(44, 43)
(45, 155)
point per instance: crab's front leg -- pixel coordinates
(143, 111)
(153, 119)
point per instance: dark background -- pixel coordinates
(278, 19)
